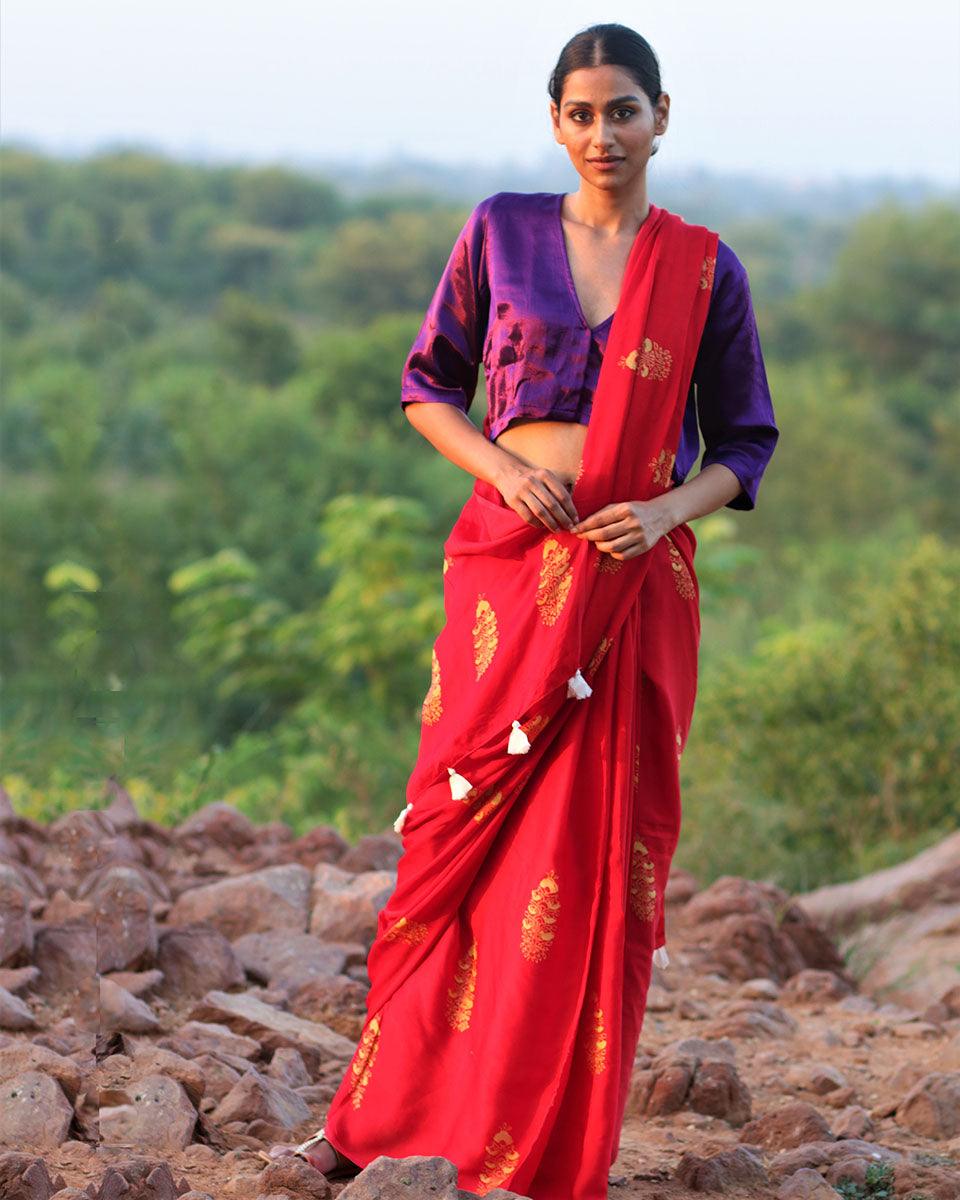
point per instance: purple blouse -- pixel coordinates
(507, 299)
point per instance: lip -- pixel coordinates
(605, 162)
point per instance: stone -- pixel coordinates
(373, 852)
(16, 927)
(34, 1112)
(14, 1014)
(791, 1125)
(720, 1172)
(120, 1012)
(345, 907)
(21, 1057)
(254, 1096)
(932, 1106)
(806, 1184)
(157, 1115)
(217, 823)
(294, 957)
(197, 960)
(718, 1091)
(123, 914)
(273, 898)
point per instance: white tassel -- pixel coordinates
(660, 956)
(578, 687)
(519, 742)
(460, 788)
(402, 819)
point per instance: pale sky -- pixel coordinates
(811, 91)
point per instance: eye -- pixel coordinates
(628, 111)
(581, 112)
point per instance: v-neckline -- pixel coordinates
(568, 270)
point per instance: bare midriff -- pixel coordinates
(540, 442)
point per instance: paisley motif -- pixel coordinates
(681, 573)
(650, 361)
(460, 996)
(596, 1037)
(485, 635)
(500, 1162)
(661, 466)
(707, 272)
(643, 885)
(538, 926)
(598, 656)
(432, 709)
(403, 930)
(363, 1059)
(556, 577)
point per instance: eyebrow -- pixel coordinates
(587, 104)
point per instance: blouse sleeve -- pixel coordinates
(444, 361)
(733, 398)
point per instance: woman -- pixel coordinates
(511, 964)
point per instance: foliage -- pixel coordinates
(221, 563)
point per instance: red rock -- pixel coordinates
(932, 1106)
(274, 898)
(793, 1124)
(374, 852)
(217, 823)
(157, 1115)
(23, 1057)
(813, 986)
(196, 960)
(123, 913)
(720, 1172)
(718, 1091)
(34, 1112)
(16, 927)
(255, 1096)
(345, 907)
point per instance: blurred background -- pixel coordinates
(220, 225)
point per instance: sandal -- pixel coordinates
(343, 1168)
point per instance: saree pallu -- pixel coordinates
(511, 964)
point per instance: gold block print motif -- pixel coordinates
(403, 930)
(460, 996)
(484, 802)
(707, 271)
(636, 764)
(650, 361)
(681, 573)
(538, 927)
(606, 562)
(362, 1064)
(432, 707)
(485, 636)
(596, 1039)
(661, 466)
(534, 725)
(643, 883)
(598, 656)
(500, 1161)
(556, 576)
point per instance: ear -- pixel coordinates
(662, 112)
(555, 123)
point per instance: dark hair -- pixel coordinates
(608, 45)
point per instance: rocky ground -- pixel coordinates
(173, 1001)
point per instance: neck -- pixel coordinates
(613, 212)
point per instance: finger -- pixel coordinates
(594, 520)
(606, 533)
(523, 510)
(546, 496)
(540, 509)
(559, 491)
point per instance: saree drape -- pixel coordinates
(511, 964)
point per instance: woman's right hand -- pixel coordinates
(538, 495)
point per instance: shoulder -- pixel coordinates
(502, 207)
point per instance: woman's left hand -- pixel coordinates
(625, 529)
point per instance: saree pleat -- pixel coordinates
(511, 965)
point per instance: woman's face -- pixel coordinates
(604, 113)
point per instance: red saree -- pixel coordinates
(510, 969)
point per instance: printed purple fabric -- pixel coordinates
(507, 301)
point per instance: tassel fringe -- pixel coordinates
(519, 742)
(660, 956)
(460, 788)
(402, 819)
(577, 687)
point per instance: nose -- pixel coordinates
(602, 141)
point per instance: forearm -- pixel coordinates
(451, 431)
(707, 491)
